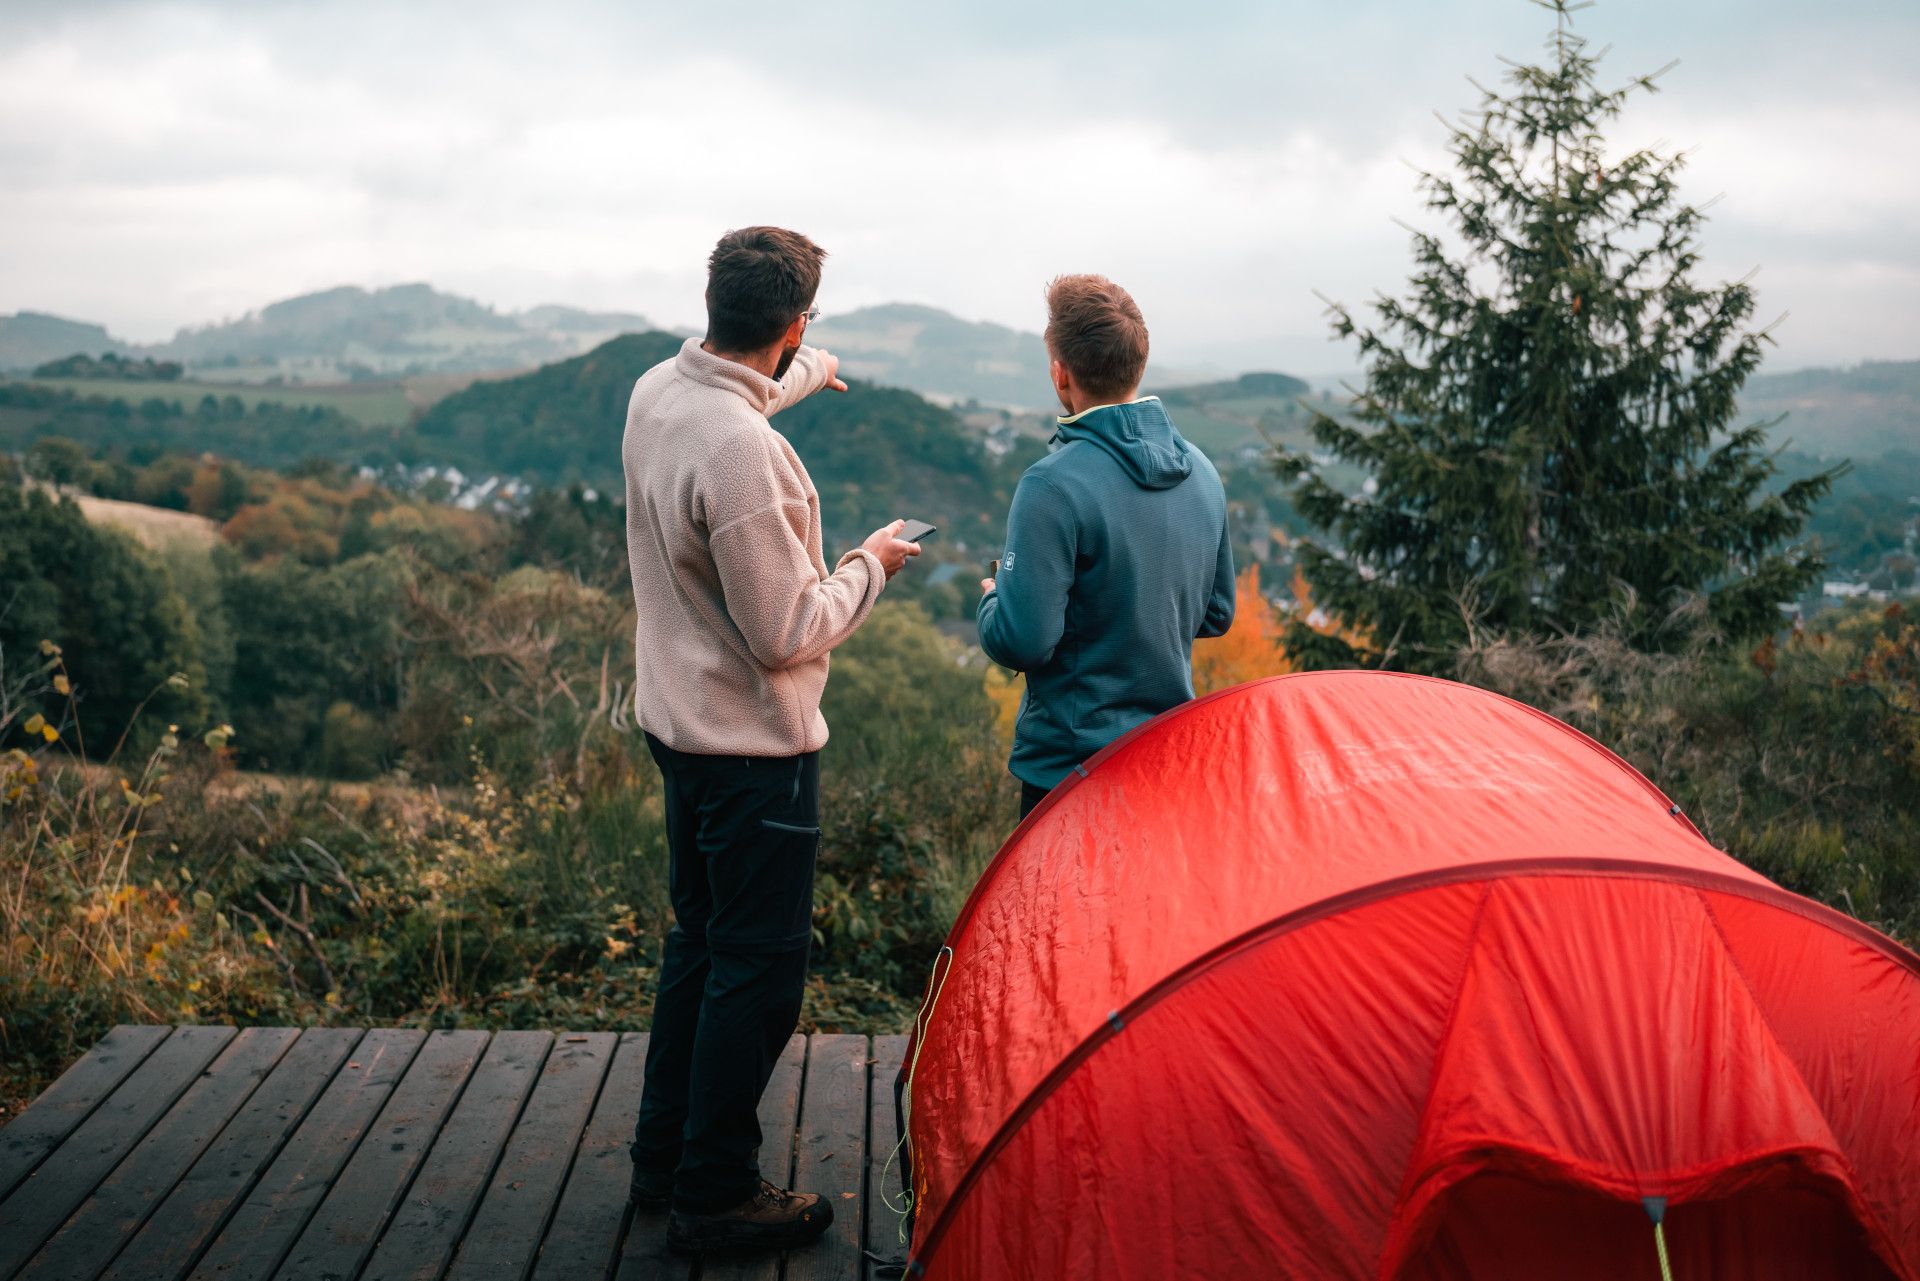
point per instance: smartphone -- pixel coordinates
(993, 568)
(917, 531)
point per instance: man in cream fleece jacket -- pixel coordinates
(737, 613)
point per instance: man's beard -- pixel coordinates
(786, 360)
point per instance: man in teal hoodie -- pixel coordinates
(1116, 557)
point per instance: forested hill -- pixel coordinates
(562, 422)
(873, 453)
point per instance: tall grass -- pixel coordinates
(170, 889)
(1801, 757)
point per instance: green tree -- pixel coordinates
(304, 640)
(125, 631)
(59, 462)
(1547, 421)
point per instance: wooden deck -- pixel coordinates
(335, 1153)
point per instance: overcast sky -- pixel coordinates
(171, 164)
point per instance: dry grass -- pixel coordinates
(154, 528)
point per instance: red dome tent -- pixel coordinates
(1365, 975)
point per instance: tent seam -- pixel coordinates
(1440, 1054)
(1876, 1231)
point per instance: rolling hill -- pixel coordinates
(339, 334)
(1241, 414)
(1862, 412)
(874, 452)
(402, 329)
(949, 359)
(30, 338)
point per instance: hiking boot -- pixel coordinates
(650, 1190)
(771, 1219)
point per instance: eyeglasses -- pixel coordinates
(810, 315)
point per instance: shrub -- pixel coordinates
(1802, 758)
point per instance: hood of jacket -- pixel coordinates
(1140, 437)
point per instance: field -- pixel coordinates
(387, 403)
(154, 528)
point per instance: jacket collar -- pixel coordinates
(702, 366)
(1071, 419)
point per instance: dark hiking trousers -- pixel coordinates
(1031, 796)
(742, 833)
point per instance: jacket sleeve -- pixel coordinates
(1220, 603)
(785, 610)
(806, 375)
(1023, 618)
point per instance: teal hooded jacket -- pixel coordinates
(1116, 560)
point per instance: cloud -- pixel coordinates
(170, 164)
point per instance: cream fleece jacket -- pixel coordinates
(737, 611)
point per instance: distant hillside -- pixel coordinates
(1859, 413)
(561, 422)
(32, 338)
(949, 359)
(1241, 414)
(398, 330)
(934, 353)
(873, 453)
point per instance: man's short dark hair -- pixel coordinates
(759, 281)
(1095, 329)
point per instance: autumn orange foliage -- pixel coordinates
(1003, 691)
(1255, 645)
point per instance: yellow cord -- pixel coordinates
(1660, 1242)
(920, 1025)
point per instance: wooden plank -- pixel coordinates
(513, 1214)
(779, 1117)
(584, 1239)
(71, 1099)
(69, 1175)
(342, 1231)
(884, 1238)
(428, 1225)
(89, 1239)
(644, 1255)
(195, 1211)
(274, 1213)
(830, 1156)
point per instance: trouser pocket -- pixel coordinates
(761, 826)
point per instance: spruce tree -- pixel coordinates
(1548, 416)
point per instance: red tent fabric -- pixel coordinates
(1375, 976)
